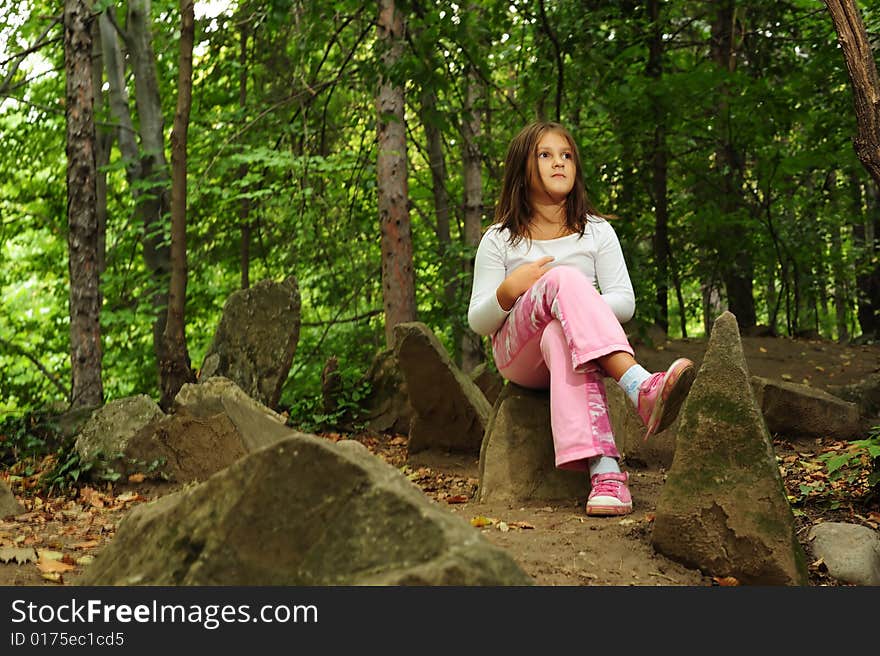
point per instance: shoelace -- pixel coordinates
(607, 487)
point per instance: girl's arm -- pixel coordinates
(485, 314)
(612, 275)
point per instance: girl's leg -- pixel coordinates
(563, 293)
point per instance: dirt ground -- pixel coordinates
(556, 543)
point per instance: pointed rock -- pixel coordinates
(303, 511)
(723, 507)
(9, 505)
(387, 406)
(256, 339)
(257, 424)
(451, 412)
(517, 461)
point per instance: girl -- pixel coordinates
(535, 278)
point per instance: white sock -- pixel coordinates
(603, 465)
(630, 381)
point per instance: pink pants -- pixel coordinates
(550, 339)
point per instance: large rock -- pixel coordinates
(850, 552)
(105, 436)
(9, 505)
(450, 410)
(304, 511)
(387, 406)
(723, 507)
(256, 339)
(799, 411)
(257, 424)
(517, 461)
(183, 448)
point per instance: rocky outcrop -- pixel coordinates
(799, 411)
(256, 339)
(851, 552)
(303, 511)
(517, 461)
(450, 411)
(105, 436)
(9, 505)
(723, 507)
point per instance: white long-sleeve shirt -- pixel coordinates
(597, 254)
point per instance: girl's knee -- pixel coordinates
(552, 338)
(564, 272)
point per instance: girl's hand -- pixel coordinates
(520, 279)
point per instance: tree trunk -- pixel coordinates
(244, 205)
(737, 267)
(174, 365)
(862, 70)
(103, 143)
(154, 202)
(659, 179)
(471, 346)
(398, 282)
(85, 294)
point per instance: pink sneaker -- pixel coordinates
(661, 396)
(610, 495)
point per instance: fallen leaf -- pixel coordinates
(762, 349)
(726, 580)
(626, 522)
(398, 441)
(479, 521)
(136, 478)
(649, 517)
(458, 498)
(787, 377)
(51, 565)
(85, 560)
(48, 554)
(20, 555)
(874, 516)
(503, 527)
(89, 544)
(55, 577)
(524, 525)
(128, 497)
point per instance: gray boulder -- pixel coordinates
(723, 508)
(850, 552)
(303, 511)
(105, 436)
(257, 424)
(801, 411)
(256, 339)
(517, 461)
(9, 505)
(451, 412)
(183, 448)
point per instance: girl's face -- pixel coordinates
(551, 178)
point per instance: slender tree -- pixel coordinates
(398, 282)
(174, 363)
(82, 236)
(862, 70)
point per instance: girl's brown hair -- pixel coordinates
(513, 210)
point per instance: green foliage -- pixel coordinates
(860, 460)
